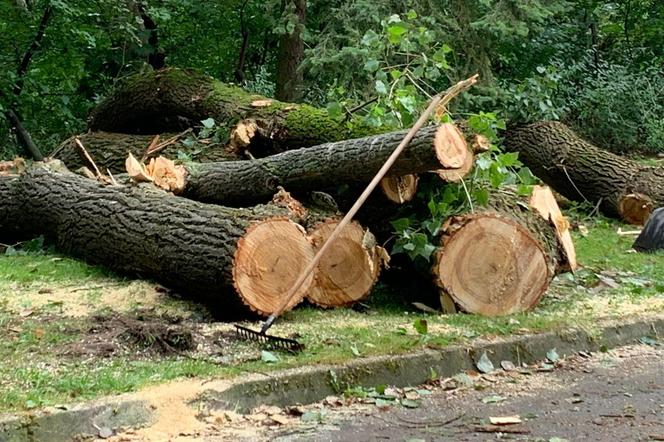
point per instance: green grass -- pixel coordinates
(34, 373)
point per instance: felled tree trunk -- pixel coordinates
(206, 251)
(109, 150)
(583, 172)
(172, 99)
(498, 260)
(318, 167)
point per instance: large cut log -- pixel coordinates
(206, 251)
(349, 269)
(172, 99)
(498, 260)
(109, 150)
(318, 167)
(583, 172)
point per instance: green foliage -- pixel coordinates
(417, 235)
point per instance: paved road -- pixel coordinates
(616, 397)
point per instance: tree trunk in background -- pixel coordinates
(209, 252)
(583, 172)
(172, 99)
(291, 52)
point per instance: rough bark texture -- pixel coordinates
(172, 99)
(291, 52)
(581, 171)
(109, 150)
(184, 244)
(319, 167)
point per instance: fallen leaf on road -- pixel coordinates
(507, 365)
(505, 420)
(552, 355)
(484, 364)
(408, 403)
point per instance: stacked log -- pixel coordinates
(208, 251)
(226, 235)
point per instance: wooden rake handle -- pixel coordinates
(437, 102)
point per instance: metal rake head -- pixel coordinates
(272, 342)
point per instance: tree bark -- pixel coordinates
(173, 99)
(319, 167)
(290, 54)
(583, 172)
(209, 252)
(498, 260)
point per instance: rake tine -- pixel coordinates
(273, 342)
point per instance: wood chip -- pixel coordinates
(505, 420)
(136, 170)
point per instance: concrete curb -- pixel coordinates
(306, 385)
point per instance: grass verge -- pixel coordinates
(56, 349)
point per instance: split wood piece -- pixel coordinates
(543, 200)
(209, 252)
(173, 99)
(456, 175)
(453, 149)
(110, 150)
(349, 269)
(581, 171)
(400, 189)
(318, 167)
(498, 261)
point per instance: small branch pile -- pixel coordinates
(224, 226)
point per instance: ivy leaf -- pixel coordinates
(421, 326)
(401, 224)
(208, 123)
(371, 65)
(268, 357)
(396, 32)
(380, 87)
(484, 364)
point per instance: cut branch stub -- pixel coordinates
(400, 189)
(269, 258)
(543, 200)
(451, 146)
(349, 269)
(635, 208)
(491, 265)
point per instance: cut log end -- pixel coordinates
(635, 208)
(492, 266)
(400, 189)
(268, 261)
(456, 175)
(451, 147)
(349, 269)
(544, 201)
